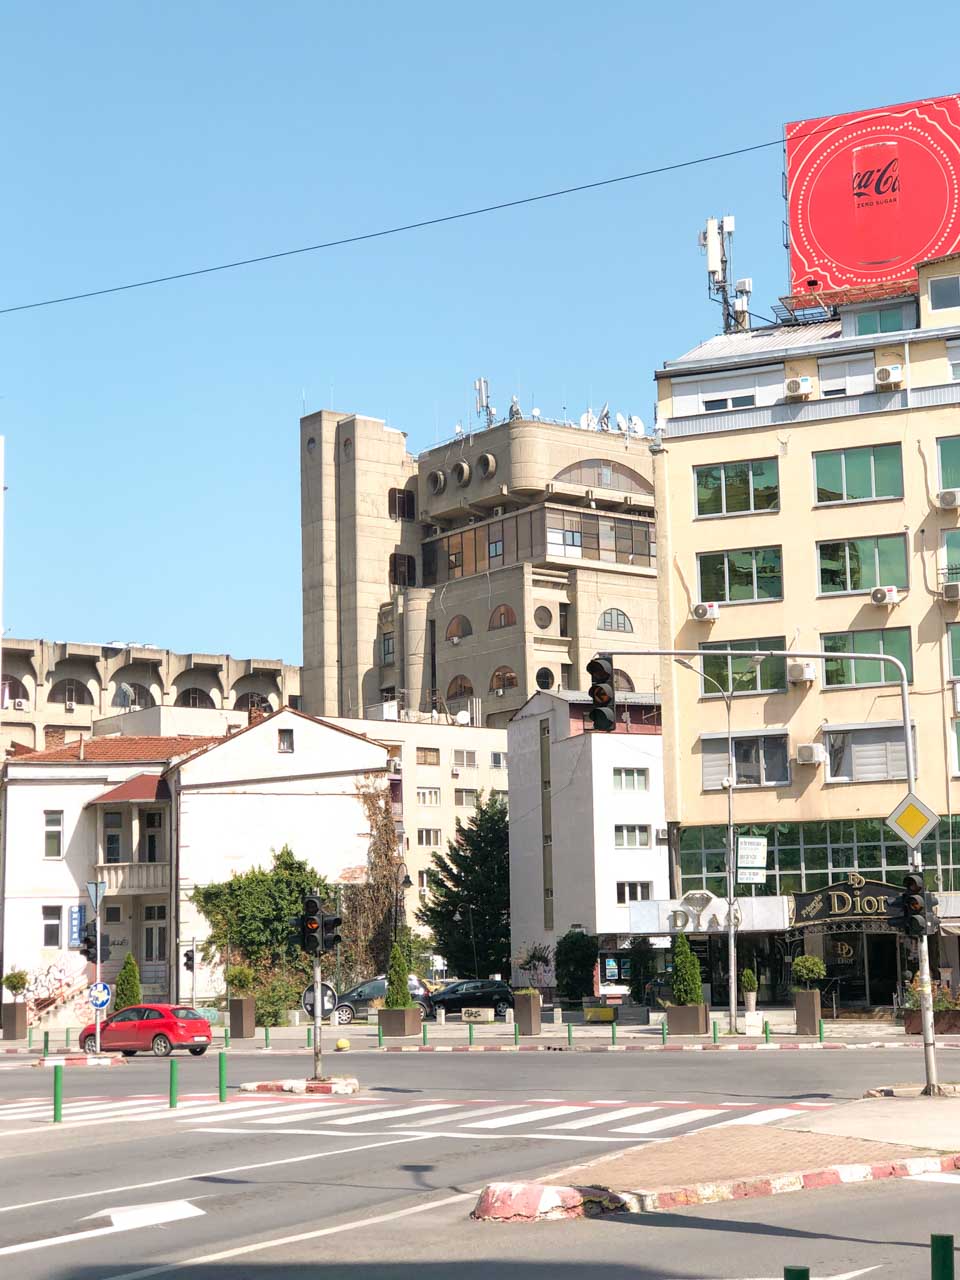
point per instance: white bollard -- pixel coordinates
(508, 1018)
(441, 1016)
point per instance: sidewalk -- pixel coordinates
(862, 1141)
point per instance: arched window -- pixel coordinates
(194, 698)
(71, 691)
(253, 701)
(503, 678)
(622, 682)
(614, 620)
(502, 616)
(130, 694)
(12, 690)
(459, 627)
(459, 687)
(598, 473)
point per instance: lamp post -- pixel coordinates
(729, 783)
(403, 884)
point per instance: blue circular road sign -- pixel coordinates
(99, 995)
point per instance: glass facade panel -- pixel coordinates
(829, 468)
(888, 471)
(950, 462)
(859, 481)
(713, 582)
(709, 482)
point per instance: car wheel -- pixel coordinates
(198, 1050)
(344, 1014)
(89, 1045)
(423, 1010)
(129, 1053)
(161, 1047)
(500, 1009)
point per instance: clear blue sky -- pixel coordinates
(152, 478)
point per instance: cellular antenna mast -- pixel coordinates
(484, 409)
(716, 240)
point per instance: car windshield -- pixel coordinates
(187, 1014)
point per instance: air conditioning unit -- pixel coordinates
(950, 592)
(661, 835)
(887, 376)
(550, 487)
(886, 597)
(395, 764)
(454, 639)
(956, 699)
(705, 611)
(798, 388)
(69, 706)
(801, 672)
(498, 511)
(948, 499)
(811, 753)
(433, 530)
(19, 704)
(498, 693)
(454, 772)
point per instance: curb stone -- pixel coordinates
(536, 1201)
(337, 1085)
(80, 1060)
(649, 1048)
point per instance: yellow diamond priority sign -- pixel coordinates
(912, 820)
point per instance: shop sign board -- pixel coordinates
(853, 899)
(751, 859)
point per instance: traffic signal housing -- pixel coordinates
(88, 943)
(188, 960)
(311, 930)
(603, 694)
(329, 926)
(912, 907)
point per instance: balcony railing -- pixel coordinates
(134, 877)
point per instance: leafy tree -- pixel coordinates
(417, 950)
(642, 967)
(807, 969)
(687, 988)
(16, 982)
(398, 989)
(240, 979)
(469, 904)
(574, 962)
(367, 909)
(250, 915)
(127, 991)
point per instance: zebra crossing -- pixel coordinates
(601, 1120)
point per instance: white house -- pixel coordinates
(153, 817)
(587, 826)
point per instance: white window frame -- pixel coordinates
(855, 373)
(895, 743)
(428, 797)
(285, 742)
(643, 891)
(53, 828)
(637, 775)
(953, 359)
(429, 837)
(764, 383)
(936, 280)
(51, 914)
(631, 835)
(760, 643)
(843, 451)
(498, 759)
(460, 797)
(464, 759)
(723, 513)
(762, 785)
(754, 599)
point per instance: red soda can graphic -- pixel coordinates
(877, 194)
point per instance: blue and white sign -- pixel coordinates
(78, 918)
(99, 995)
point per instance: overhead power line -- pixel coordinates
(404, 227)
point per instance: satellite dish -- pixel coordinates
(636, 424)
(585, 422)
(462, 717)
(458, 429)
(515, 410)
(535, 413)
(603, 421)
(621, 422)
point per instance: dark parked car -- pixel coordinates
(485, 993)
(350, 1004)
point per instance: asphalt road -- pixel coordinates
(391, 1193)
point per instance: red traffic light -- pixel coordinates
(311, 924)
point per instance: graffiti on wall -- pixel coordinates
(62, 985)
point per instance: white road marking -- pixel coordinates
(759, 1117)
(934, 1177)
(213, 1111)
(301, 1113)
(527, 1117)
(468, 1115)
(669, 1122)
(459, 1134)
(125, 1218)
(395, 1111)
(602, 1117)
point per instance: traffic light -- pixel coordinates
(912, 908)
(330, 938)
(188, 960)
(603, 712)
(310, 925)
(104, 946)
(88, 943)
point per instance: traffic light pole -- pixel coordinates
(932, 1086)
(193, 974)
(317, 1020)
(98, 1012)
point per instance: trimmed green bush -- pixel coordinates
(240, 979)
(807, 969)
(127, 991)
(398, 989)
(687, 987)
(16, 982)
(274, 999)
(748, 980)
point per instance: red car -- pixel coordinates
(150, 1028)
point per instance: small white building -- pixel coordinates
(587, 828)
(154, 817)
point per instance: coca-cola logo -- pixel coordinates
(877, 182)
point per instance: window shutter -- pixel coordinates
(714, 753)
(878, 754)
(392, 503)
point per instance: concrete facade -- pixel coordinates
(466, 578)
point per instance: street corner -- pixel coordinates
(81, 1060)
(333, 1085)
(537, 1202)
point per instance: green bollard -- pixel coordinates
(226, 1037)
(941, 1258)
(516, 1032)
(379, 1036)
(716, 1031)
(470, 1033)
(820, 1030)
(309, 1037)
(663, 1031)
(766, 1032)
(613, 1033)
(46, 1043)
(29, 1037)
(569, 1035)
(796, 1273)
(57, 1094)
(174, 1068)
(223, 1076)
(266, 1037)
(424, 1032)
(66, 1038)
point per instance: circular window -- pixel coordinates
(461, 473)
(544, 678)
(437, 480)
(542, 617)
(311, 444)
(487, 464)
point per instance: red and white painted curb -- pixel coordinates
(533, 1201)
(80, 1060)
(658, 1048)
(338, 1085)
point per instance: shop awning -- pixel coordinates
(951, 927)
(145, 788)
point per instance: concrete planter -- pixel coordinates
(687, 1019)
(399, 1022)
(945, 1021)
(808, 1012)
(15, 1021)
(526, 1009)
(243, 1018)
(750, 1001)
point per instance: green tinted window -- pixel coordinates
(743, 675)
(851, 670)
(709, 491)
(829, 477)
(740, 575)
(892, 561)
(736, 477)
(859, 475)
(950, 463)
(769, 574)
(766, 484)
(863, 563)
(749, 574)
(888, 471)
(734, 488)
(713, 582)
(859, 480)
(955, 651)
(951, 544)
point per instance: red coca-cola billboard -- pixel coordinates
(870, 194)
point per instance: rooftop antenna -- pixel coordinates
(716, 240)
(484, 411)
(515, 410)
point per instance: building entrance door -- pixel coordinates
(881, 967)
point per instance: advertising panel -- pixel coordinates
(869, 195)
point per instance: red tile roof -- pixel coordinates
(120, 749)
(142, 788)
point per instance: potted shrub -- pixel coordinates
(946, 1011)
(401, 1017)
(807, 969)
(687, 1015)
(526, 1010)
(15, 1014)
(243, 1007)
(748, 985)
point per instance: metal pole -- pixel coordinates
(731, 878)
(222, 1080)
(193, 974)
(473, 939)
(941, 1258)
(57, 1094)
(97, 1014)
(174, 1070)
(317, 1020)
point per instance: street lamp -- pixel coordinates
(728, 783)
(458, 916)
(402, 885)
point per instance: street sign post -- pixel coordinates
(96, 889)
(328, 1000)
